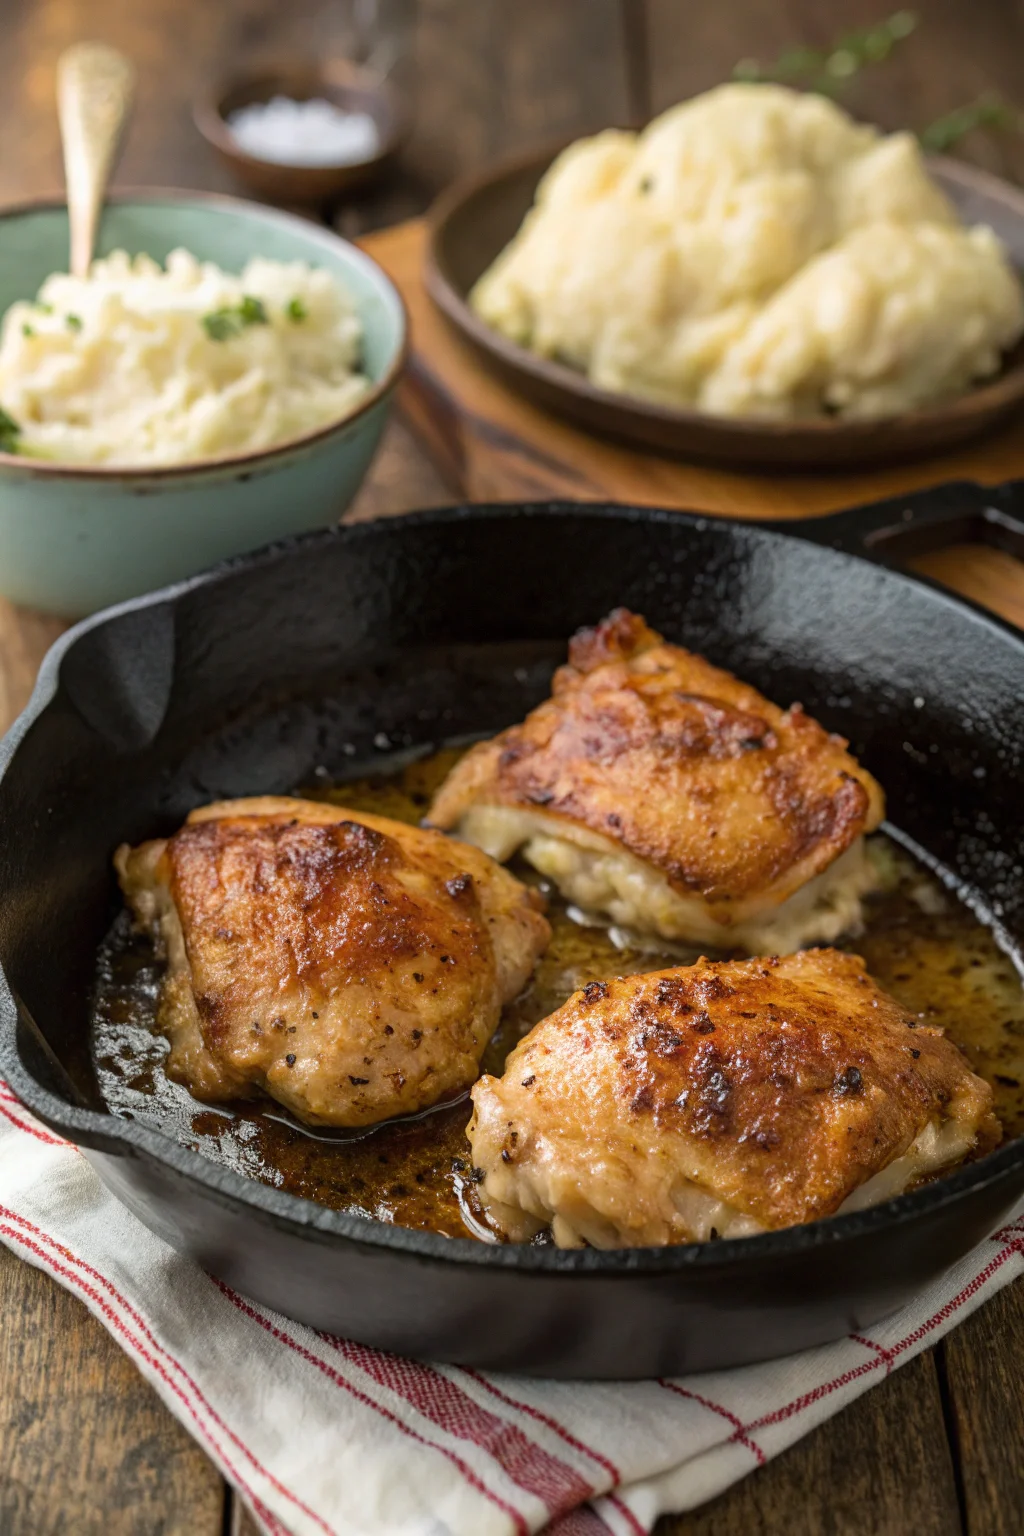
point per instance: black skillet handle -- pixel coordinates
(902, 527)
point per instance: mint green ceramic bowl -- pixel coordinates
(74, 539)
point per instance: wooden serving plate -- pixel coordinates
(475, 219)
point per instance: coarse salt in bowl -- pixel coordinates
(300, 135)
(313, 132)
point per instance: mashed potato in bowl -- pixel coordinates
(147, 365)
(755, 252)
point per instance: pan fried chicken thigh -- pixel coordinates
(721, 1100)
(656, 789)
(349, 966)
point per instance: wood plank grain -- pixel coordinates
(87, 1446)
(987, 576)
(880, 1468)
(637, 43)
(486, 78)
(958, 51)
(402, 479)
(177, 49)
(242, 1522)
(984, 1368)
(493, 77)
(25, 637)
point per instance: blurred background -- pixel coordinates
(85, 1446)
(481, 77)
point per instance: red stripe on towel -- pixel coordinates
(31, 1130)
(798, 1404)
(446, 1405)
(553, 1424)
(363, 1397)
(134, 1339)
(706, 1402)
(582, 1521)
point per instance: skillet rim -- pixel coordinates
(115, 1136)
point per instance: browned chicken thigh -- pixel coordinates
(349, 966)
(721, 1100)
(656, 789)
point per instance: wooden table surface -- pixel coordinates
(86, 1448)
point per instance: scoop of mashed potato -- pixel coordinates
(137, 364)
(756, 252)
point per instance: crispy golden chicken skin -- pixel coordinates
(721, 1100)
(349, 966)
(658, 790)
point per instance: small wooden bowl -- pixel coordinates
(347, 86)
(475, 219)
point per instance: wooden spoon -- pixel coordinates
(95, 85)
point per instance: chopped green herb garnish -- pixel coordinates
(295, 309)
(219, 324)
(43, 307)
(222, 324)
(9, 433)
(26, 329)
(73, 322)
(252, 311)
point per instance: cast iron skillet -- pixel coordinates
(474, 220)
(249, 678)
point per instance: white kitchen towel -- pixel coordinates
(324, 1437)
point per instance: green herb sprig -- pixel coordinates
(223, 324)
(296, 309)
(9, 433)
(827, 70)
(73, 322)
(989, 111)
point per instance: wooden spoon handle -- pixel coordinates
(95, 85)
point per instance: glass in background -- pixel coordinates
(327, 35)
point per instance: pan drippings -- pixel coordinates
(922, 945)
